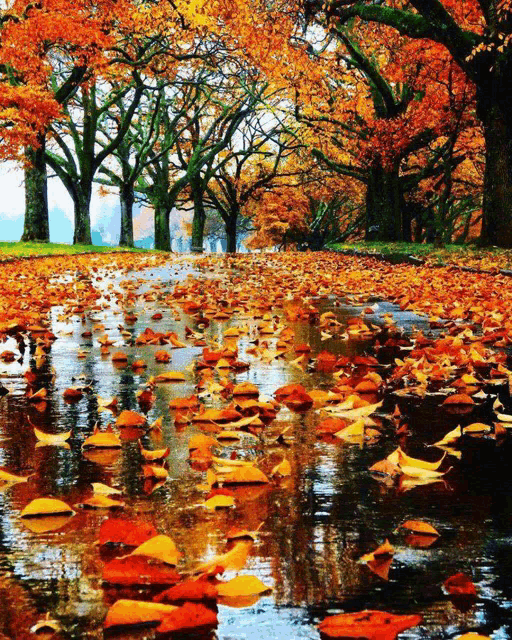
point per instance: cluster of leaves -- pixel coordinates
(237, 437)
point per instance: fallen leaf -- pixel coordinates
(160, 547)
(242, 586)
(371, 625)
(130, 533)
(46, 506)
(136, 612)
(131, 570)
(191, 615)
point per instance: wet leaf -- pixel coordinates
(417, 526)
(130, 419)
(219, 502)
(242, 586)
(11, 478)
(459, 585)
(101, 502)
(189, 616)
(103, 439)
(372, 625)
(136, 612)
(46, 506)
(132, 570)
(161, 548)
(121, 531)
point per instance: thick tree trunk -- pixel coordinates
(198, 222)
(497, 204)
(162, 233)
(36, 225)
(127, 198)
(230, 226)
(82, 204)
(384, 205)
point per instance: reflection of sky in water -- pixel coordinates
(315, 525)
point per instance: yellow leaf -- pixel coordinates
(101, 502)
(159, 548)
(219, 502)
(102, 489)
(401, 459)
(51, 438)
(136, 612)
(231, 560)
(242, 586)
(170, 376)
(418, 472)
(283, 469)
(45, 506)
(245, 475)
(451, 437)
(11, 478)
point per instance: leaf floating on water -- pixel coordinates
(161, 548)
(384, 550)
(170, 376)
(52, 439)
(450, 437)
(371, 625)
(46, 506)
(132, 570)
(101, 502)
(136, 612)
(219, 502)
(460, 585)
(130, 533)
(103, 439)
(191, 615)
(231, 560)
(11, 478)
(102, 489)
(200, 588)
(245, 475)
(130, 419)
(417, 526)
(242, 586)
(283, 469)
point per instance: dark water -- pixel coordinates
(314, 525)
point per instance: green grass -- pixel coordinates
(448, 253)
(24, 249)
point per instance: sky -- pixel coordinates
(104, 209)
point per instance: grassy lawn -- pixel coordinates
(23, 249)
(469, 255)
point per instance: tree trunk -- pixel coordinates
(127, 198)
(82, 204)
(162, 233)
(198, 222)
(36, 225)
(384, 205)
(497, 203)
(230, 226)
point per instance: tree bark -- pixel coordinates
(384, 204)
(162, 233)
(497, 203)
(231, 234)
(36, 225)
(127, 198)
(82, 204)
(198, 221)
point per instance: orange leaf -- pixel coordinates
(190, 616)
(372, 625)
